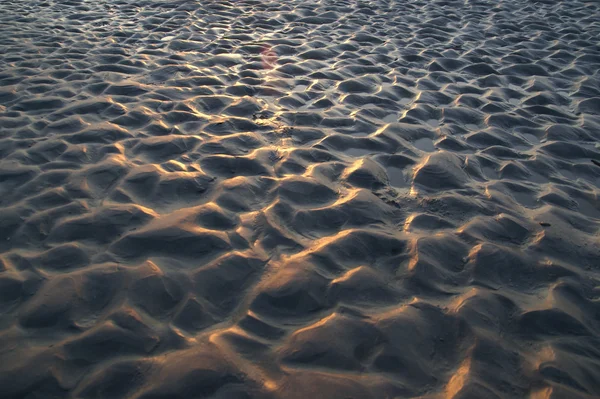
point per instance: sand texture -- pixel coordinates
(299, 199)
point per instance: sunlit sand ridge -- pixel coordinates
(299, 199)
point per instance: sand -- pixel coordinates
(299, 199)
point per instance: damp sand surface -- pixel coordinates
(299, 199)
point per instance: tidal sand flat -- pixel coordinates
(323, 199)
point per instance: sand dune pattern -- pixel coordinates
(299, 199)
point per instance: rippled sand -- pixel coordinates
(299, 199)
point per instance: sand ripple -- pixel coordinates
(299, 199)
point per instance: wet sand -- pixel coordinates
(299, 199)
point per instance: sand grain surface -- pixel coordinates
(299, 199)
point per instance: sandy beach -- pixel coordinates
(301, 199)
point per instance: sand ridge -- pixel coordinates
(309, 198)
